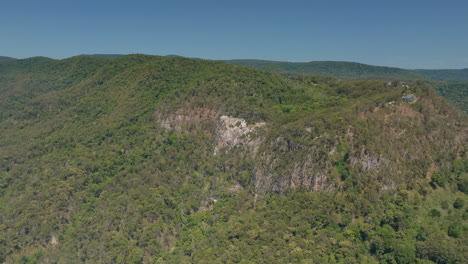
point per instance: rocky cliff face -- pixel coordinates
(388, 146)
(234, 132)
(393, 144)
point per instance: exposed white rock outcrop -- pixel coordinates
(53, 240)
(231, 132)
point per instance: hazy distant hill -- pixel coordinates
(341, 69)
(352, 70)
(445, 75)
(4, 58)
(104, 56)
(149, 159)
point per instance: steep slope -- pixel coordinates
(147, 159)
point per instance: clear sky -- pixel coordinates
(408, 34)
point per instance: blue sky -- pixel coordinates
(408, 34)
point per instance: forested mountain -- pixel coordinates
(148, 159)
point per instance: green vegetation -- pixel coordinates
(128, 160)
(455, 92)
(452, 84)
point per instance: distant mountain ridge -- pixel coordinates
(353, 70)
(445, 75)
(104, 56)
(5, 58)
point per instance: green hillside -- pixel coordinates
(453, 84)
(148, 159)
(454, 92)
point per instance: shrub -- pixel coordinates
(459, 203)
